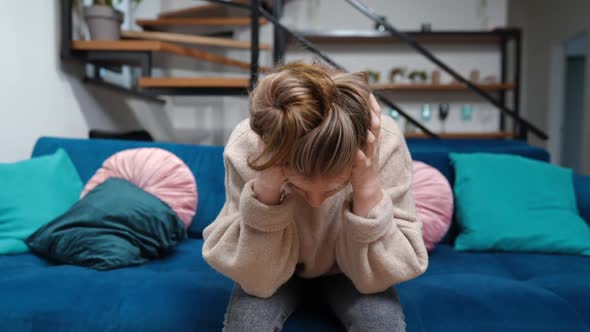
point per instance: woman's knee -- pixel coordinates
(376, 313)
(249, 313)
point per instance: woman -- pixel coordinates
(318, 191)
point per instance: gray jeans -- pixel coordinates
(357, 312)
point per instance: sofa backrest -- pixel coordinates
(206, 162)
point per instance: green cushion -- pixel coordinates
(32, 193)
(117, 224)
(510, 203)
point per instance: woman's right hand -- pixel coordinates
(269, 182)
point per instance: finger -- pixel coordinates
(376, 125)
(370, 149)
(374, 104)
(359, 158)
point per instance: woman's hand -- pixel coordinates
(269, 182)
(366, 185)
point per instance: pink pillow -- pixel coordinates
(157, 171)
(434, 202)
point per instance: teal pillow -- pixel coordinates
(32, 193)
(510, 203)
(117, 224)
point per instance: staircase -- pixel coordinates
(192, 32)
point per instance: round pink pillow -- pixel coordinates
(157, 171)
(434, 202)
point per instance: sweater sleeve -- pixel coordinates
(252, 243)
(385, 248)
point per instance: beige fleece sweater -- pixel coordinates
(261, 247)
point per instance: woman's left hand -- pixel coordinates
(366, 185)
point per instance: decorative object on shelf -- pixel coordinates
(426, 113)
(104, 21)
(393, 114)
(435, 77)
(490, 79)
(373, 76)
(443, 114)
(466, 112)
(426, 27)
(397, 72)
(418, 76)
(474, 76)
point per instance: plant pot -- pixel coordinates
(104, 22)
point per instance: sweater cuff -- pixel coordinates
(370, 229)
(265, 218)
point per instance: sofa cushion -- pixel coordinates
(582, 187)
(179, 293)
(434, 202)
(32, 193)
(157, 171)
(117, 224)
(461, 291)
(473, 291)
(507, 202)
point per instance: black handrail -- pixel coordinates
(312, 48)
(254, 41)
(381, 21)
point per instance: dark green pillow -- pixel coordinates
(511, 203)
(115, 225)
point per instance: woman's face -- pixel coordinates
(315, 191)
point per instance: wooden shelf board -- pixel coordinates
(491, 135)
(438, 87)
(193, 82)
(190, 39)
(214, 21)
(371, 36)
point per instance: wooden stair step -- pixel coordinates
(210, 21)
(157, 46)
(190, 39)
(193, 82)
(460, 135)
(116, 45)
(210, 10)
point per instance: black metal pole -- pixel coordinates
(427, 54)
(278, 51)
(503, 74)
(66, 27)
(312, 48)
(522, 133)
(254, 41)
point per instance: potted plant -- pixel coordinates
(104, 21)
(418, 76)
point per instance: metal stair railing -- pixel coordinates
(381, 21)
(255, 6)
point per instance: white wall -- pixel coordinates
(41, 95)
(548, 24)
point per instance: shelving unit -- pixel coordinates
(496, 37)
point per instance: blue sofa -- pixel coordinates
(461, 291)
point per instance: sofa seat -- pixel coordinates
(459, 292)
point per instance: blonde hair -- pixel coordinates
(310, 118)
